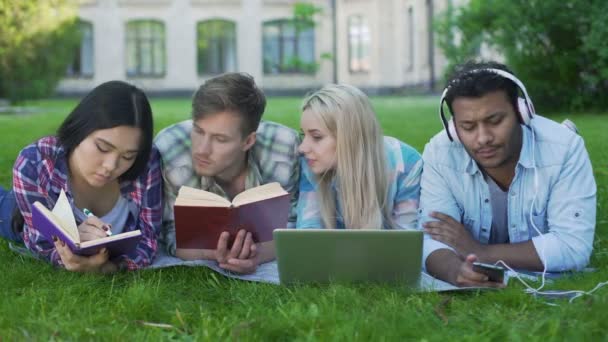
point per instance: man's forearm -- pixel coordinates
(443, 264)
(520, 255)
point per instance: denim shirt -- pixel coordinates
(553, 192)
(404, 166)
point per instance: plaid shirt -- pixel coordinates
(273, 158)
(41, 172)
(405, 168)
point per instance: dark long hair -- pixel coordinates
(109, 105)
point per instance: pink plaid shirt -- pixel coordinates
(41, 172)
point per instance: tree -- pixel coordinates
(303, 19)
(37, 42)
(556, 47)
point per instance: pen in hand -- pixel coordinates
(105, 227)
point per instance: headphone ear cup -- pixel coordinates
(452, 131)
(524, 111)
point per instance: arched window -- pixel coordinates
(216, 46)
(82, 64)
(146, 48)
(288, 47)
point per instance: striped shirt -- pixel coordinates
(41, 172)
(273, 158)
(404, 165)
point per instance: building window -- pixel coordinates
(288, 47)
(358, 44)
(82, 65)
(410, 35)
(146, 48)
(216, 46)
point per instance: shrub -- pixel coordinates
(556, 47)
(38, 39)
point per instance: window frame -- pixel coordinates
(153, 41)
(77, 72)
(283, 41)
(360, 47)
(231, 40)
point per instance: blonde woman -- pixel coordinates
(352, 176)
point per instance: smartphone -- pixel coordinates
(495, 273)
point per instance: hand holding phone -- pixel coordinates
(495, 273)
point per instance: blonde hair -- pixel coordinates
(361, 172)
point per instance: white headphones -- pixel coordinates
(525, 108)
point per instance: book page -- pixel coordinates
(56, 222)
(259, 193)
(196, 197)
(63, 212)
(107, 239)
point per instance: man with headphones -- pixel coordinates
(501, 184)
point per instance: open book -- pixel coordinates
(60, 222)
(201, 216)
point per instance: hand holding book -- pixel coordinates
(77, 263)
(201, 216)
(61, 224)
(241, 257)
(237, 234)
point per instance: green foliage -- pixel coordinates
(37, 42)
(296, 55)
(596, 51)
(296, 64)
(303, 19)
(304, 14)
(458, 34)
(556, 47)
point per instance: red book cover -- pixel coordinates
(200, 226)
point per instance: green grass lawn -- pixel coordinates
(41, 303)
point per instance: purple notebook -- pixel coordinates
(47, 224)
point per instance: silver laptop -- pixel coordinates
(349, 255)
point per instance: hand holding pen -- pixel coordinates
(93, 228)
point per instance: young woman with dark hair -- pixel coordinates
(102, 158)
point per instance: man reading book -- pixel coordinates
(225, 149)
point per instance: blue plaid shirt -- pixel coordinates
(405, 167)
